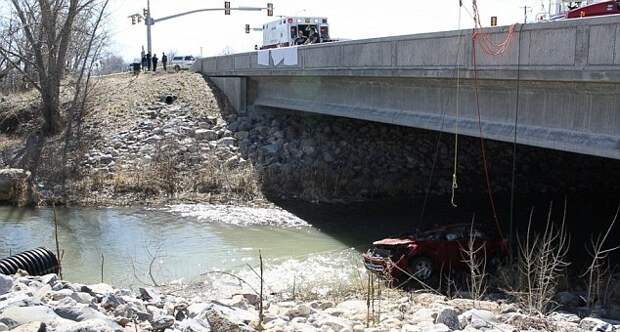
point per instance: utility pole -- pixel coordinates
(525, 10)
(149, 21)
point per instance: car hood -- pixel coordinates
(394, 242)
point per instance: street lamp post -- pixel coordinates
(149, 21)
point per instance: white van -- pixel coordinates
(182, 62)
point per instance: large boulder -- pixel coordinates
(91, 325)
(219, 322)
(595, 325)
(13, 184)
(31, 327)
(448, 317)
(25, 315)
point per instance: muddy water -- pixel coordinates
(182, 241)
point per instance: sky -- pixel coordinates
(209, 33)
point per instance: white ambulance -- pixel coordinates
(289, 31)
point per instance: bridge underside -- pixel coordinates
(576, 117)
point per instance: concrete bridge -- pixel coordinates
(557, 84)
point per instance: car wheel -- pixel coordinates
(177, 68)
(421, 268)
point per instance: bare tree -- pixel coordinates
(41, 40)
(475, 257)
(598, 273)
(112, 64)
(542, 263)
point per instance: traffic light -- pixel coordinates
(133, 20)
(139, 19)
(145, 12)
(493, 21)
(270, 9)
(247, 28)
(226, 7)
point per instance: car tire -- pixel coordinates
(177, 68)
(421, 268)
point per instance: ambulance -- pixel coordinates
(289, 31)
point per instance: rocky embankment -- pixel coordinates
(46, 303)
(134, 147)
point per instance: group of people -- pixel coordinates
(311, 38)
(150, 62)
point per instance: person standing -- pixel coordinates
(155, 62)
(143, 62)
(164, 61)
(148, 61)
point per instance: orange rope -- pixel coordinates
(482, 146)
(490, 48)
(486, 44)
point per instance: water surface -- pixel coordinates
(182, 241)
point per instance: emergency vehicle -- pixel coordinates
(567, 9)
(594, 9)
(289, 31)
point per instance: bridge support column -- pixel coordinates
(235, 89)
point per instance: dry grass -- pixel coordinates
(161, 178)
(7, 144)
(136, 182)
(115, 96)
(230, 178)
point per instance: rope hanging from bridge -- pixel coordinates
(514, 142)
(482, 39)
(440, 134)
(455, 184)
(492, 49)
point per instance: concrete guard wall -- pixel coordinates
(572, 50)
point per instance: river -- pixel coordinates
(184, 241)
(311, 242)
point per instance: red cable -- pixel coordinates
(484, 157)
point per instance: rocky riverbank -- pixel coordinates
(46, 303)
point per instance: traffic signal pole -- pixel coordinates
(149, 21)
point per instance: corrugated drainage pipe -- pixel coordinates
(38, 261)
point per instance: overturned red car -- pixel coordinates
(425, 253)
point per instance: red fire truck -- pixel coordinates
(576, 9)
(594, 9)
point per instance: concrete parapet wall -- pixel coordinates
(572, 50)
